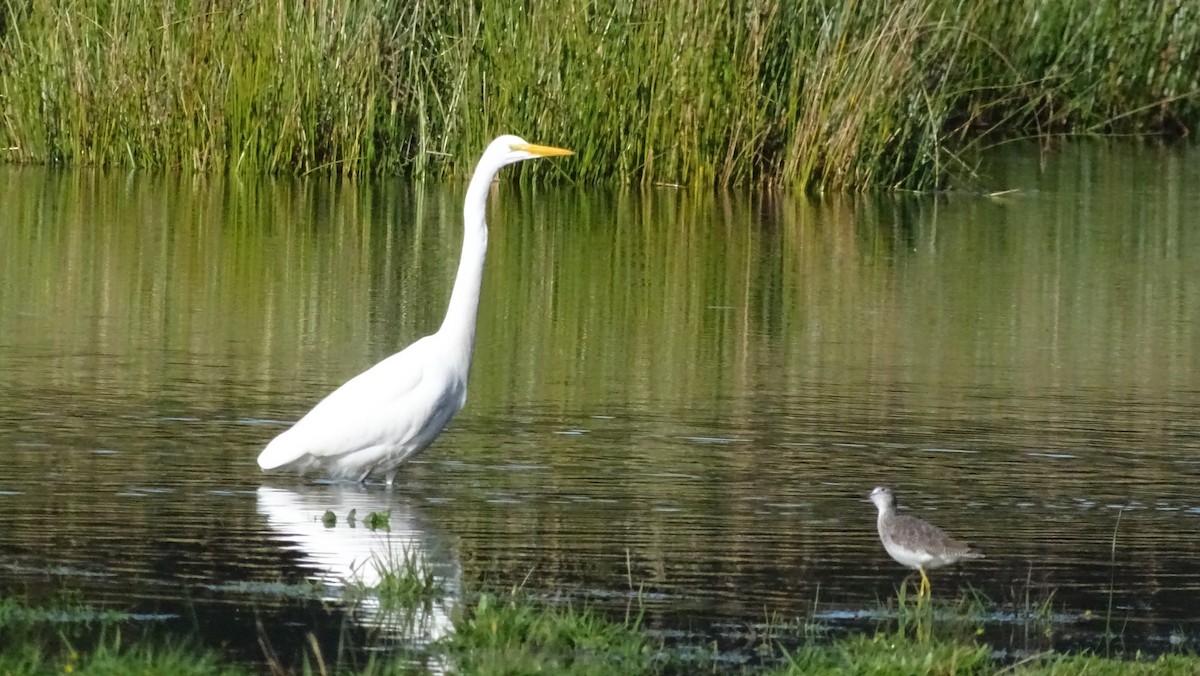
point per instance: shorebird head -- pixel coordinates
(883, 498)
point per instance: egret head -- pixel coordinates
(508, 149)
(883, 498)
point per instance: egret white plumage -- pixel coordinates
(387, 414)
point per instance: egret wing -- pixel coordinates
(367, 410)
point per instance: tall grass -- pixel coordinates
(269, 86)
(824, 95)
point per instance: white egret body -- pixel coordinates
(390, 412)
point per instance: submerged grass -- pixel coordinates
(823, 95)
(65, 607)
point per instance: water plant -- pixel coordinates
(1109, 636)
(405, 575)
(377, 520)
(66, 606)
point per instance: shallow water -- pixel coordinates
(677, 400)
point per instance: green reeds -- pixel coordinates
(262, 86)
(822, 95)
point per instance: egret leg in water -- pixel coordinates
(916, 543)
(387, 414)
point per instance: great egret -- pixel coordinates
(390, 412)
(915, 543)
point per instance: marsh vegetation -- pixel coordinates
(513, 633)
(822, 95)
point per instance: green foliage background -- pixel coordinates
(823, 95)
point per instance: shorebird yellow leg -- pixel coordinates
(926, 590)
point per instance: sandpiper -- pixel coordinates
(915, 543)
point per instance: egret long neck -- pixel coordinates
(458, 328)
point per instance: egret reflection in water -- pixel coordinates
(347, 552)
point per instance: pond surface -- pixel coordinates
(678, 400)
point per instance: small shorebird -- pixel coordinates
(915, 543)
